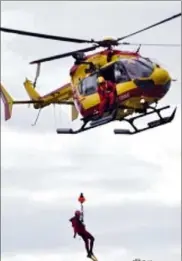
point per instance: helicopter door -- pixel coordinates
(115, 73)
(108, 73)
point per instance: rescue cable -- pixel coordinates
(82, 199)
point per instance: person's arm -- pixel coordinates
(75, 233)
(111, 86)
(73, 225)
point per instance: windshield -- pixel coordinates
(127, 69)
(88, 85)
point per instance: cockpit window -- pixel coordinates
(120, 73)
(132, 69)
(88, 85)
(146, 62)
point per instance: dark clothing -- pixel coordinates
(88, 238)
(77, 225)
(79, 228)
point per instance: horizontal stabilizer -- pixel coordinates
(9, 102)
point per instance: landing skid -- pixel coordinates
(93, 124)
(110, 118)
(153, 124)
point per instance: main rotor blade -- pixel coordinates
(150, 44)
(149, 27)
(45, 36)
(64, 55)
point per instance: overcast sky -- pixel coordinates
(132, 184)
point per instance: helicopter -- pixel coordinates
(139, 82)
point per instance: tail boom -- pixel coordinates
(9, 102)
(59, 96)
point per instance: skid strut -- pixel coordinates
(108, 119)
(93, 124)
(153, 124)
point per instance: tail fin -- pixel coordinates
(33, 94)
(8, 103)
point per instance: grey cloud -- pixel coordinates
(144, 228)
(135, 224)
(86, 170)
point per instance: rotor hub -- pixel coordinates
(108, 42)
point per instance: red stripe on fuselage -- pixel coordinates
(157, 92)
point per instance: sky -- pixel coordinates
(132, 184)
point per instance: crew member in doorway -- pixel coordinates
(107, 93)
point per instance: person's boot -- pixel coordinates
(89, 255)
(91, 252)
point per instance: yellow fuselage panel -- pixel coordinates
(160, 76)
(90, 101)
(135, 102)
(125, 87)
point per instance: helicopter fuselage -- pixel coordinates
(131, 92)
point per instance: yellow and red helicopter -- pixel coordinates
(140, 83)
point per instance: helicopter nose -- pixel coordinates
(161, 77)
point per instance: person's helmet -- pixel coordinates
(77, 213)
(100, 80)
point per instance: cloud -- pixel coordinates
(132, 184)
(134, 223)
(135, 190)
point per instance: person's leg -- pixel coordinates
(111, 100)
(102, 105)
(92, 239)
(86, 241)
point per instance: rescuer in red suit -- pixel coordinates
(107, 92)
(79, 228)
